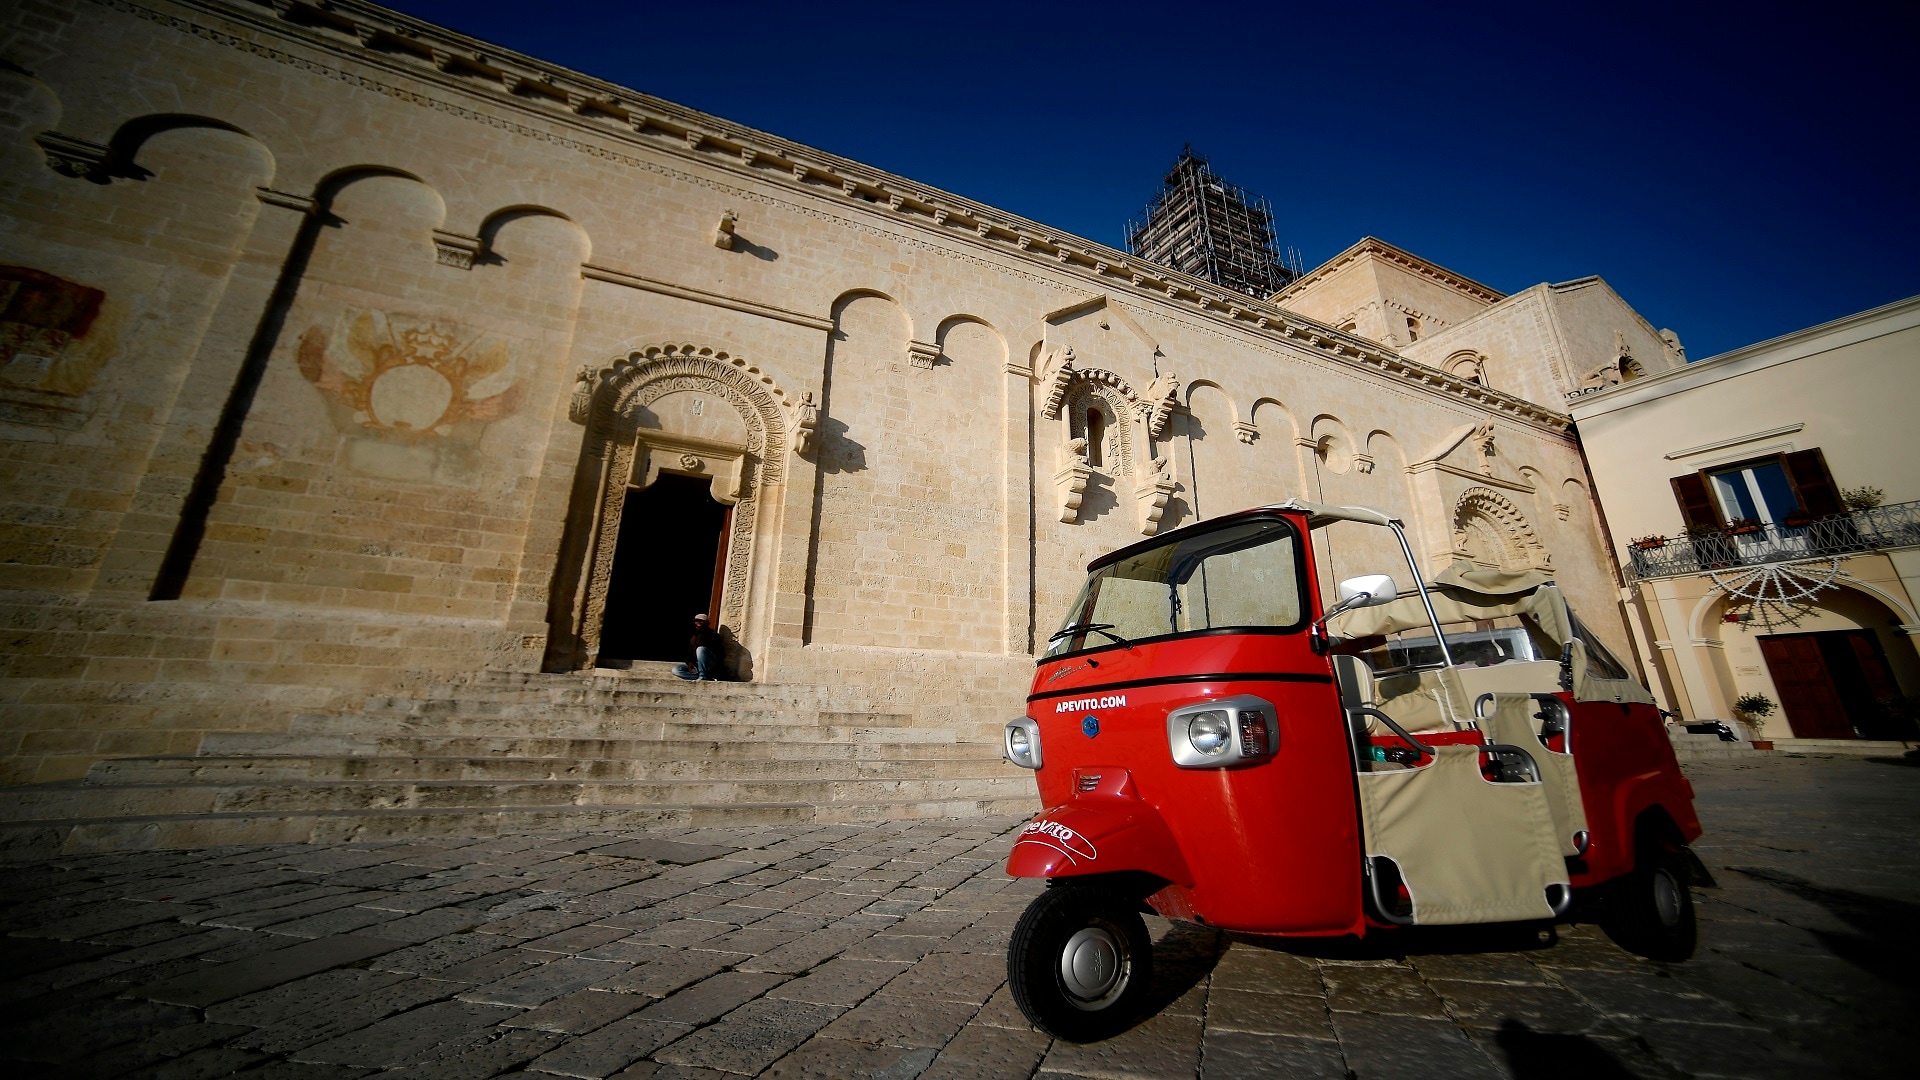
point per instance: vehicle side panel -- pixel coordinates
(1626, 765)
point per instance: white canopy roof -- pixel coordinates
(1320, 514)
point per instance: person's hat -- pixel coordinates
(702, 617)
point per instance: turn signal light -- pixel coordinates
(1253, 733)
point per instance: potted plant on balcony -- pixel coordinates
(1697, 531)
(1648, 543)
(1799, 519)
(1742, 526)
(1862, 498)
(1752, 710)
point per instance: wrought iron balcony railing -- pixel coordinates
(1877, 529)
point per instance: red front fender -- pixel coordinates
(1098, 835)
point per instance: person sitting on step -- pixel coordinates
(703, 654)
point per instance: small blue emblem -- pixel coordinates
(1091, 725)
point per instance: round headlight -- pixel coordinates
(1209, 732)
(1018, 744)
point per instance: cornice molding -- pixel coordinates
(366, 34)
(701, 296)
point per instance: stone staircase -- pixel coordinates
(512, 751)
(1690, 746)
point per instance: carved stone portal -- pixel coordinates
(622, 451)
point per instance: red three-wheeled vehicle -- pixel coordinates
(1216, 742)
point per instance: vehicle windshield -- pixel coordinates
(1246, 574)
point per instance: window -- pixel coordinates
(1601, 664)
(1480, 643)
(1759, 492)
(1765, 489)
(1245, 575)
(1096, 435)
(1413, 329)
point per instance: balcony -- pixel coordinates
(1883, 527)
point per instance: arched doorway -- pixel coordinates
(669, 564)
(693, 443)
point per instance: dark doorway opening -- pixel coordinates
(1832, 683)
(668, 566)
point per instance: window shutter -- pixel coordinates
(1696, 506)
(1813, 483)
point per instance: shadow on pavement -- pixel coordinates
(1541, 1055)
(1182, 960)
(1419, 941)
(1887, 942)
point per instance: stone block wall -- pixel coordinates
(350, 344)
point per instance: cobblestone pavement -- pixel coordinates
(878, 951)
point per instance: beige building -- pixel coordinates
(1733, 489)
(349, 360)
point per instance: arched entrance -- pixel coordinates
(684, 446)
(668, 565)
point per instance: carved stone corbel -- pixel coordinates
(922, 355)
(1245, 432)
(806, 417)
(286, 200)
(1072, 479)
(454, 249)
(73, 157)
(1056, 373)
(580, 406)
(1152, 495)
(723, 233)
(1363, 463)
(1162, 396)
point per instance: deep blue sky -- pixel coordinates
(1736, 171)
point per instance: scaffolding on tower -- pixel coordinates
(1201, 225)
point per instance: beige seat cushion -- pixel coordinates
(1470, 851)
(1431, 700)
(1517, 677)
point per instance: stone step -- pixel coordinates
(65, 801)
(30, 841)
(273, 744)
(509, 685)
(442, 708)
(1691, 746)
(677, 693)
(615, 727)
(1862, 747)
(261, 769)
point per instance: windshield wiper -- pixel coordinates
(1100, 628)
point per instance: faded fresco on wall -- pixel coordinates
(410, 378)
(45, 323)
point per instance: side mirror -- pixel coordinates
(1368, 590)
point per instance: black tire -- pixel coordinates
(1080, 962)
(1650, 911)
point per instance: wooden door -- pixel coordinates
(1814, 707)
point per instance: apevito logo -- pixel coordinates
(1111, 701)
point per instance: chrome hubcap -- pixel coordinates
(1666, 898)
(1092, 968)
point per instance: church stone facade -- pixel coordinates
(342, 351)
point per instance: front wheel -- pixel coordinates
(1080, 962)
(1650, 911)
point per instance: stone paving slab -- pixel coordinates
(879, 951)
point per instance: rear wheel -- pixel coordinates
(1650, 911)
(1080, 962)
